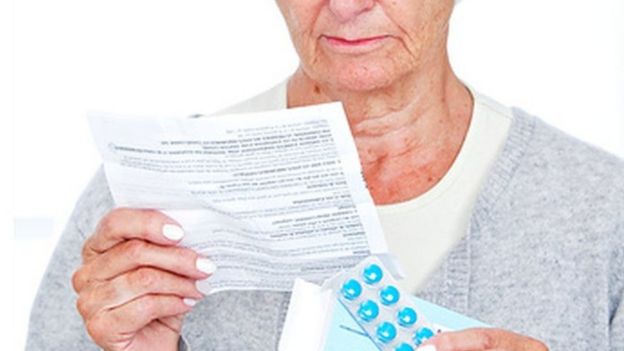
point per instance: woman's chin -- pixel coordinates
(360, 78)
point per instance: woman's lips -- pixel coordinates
(358, 45)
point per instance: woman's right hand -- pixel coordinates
(135, 284)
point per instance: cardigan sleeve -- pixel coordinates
(55, 323)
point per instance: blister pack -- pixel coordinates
(387, 314)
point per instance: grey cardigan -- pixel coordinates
(543, 256)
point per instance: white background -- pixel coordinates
(560, 59)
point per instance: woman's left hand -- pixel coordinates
(482, 339)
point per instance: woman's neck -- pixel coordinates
(407, 134)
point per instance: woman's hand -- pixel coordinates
(482, 339)
(135, 284)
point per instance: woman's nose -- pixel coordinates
(346, 10)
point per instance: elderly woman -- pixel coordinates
(492, 212)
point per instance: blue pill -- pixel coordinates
(422, 335)
(368, 310)
(372, 274)
(389, 295)
(351, 289)
(404, 347)
(407, 317)
(386, 332)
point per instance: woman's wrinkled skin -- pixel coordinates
(407, 110)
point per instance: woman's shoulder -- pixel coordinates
(561, 170)
(562, 155)
(580, 188)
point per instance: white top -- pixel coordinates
(423, 230)
(420, 232)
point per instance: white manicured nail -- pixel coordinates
(189, 302)
(203, 286)
(427, 348)
(173, 232)
(205, 265)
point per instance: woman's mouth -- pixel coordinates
(354, 45)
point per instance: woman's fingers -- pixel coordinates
(134, 285)
(465, 340)
(482, 339)
(134, 254)
(174, 323)
(122, 224)
(113, 325)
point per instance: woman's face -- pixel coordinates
(366, 44)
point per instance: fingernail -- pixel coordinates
(189, 302)
(173, 232)
(203, 286)
(205, 265)
(427, 348)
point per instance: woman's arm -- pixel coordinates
(54, 321)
